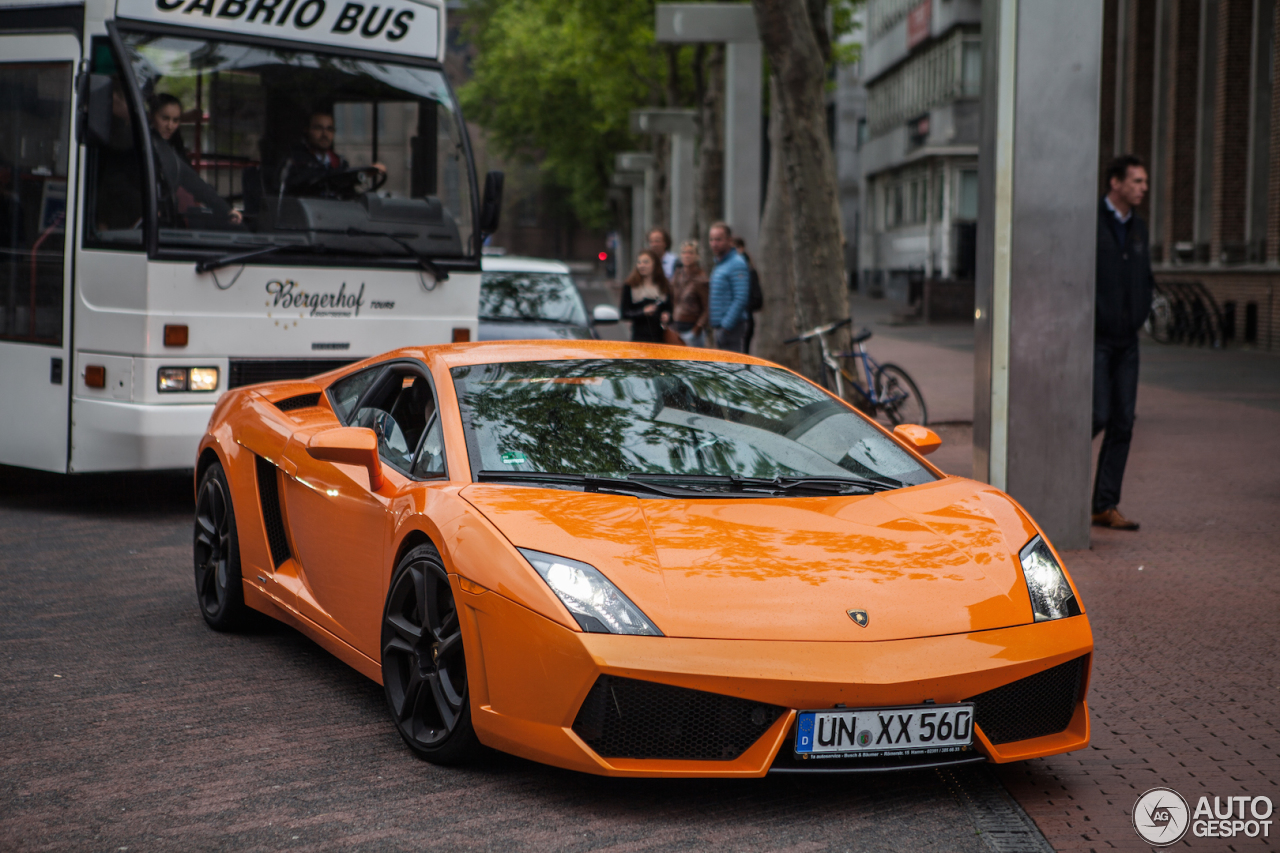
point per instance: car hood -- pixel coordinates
(531, 330)
(924, 561)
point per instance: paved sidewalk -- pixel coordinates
(1185, 612)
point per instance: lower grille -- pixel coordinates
(1035, 706)
(625, 718)
(272, 518)
(251, 371)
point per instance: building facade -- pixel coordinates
(1189, 86)
(918, 153)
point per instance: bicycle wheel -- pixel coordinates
(899, 400)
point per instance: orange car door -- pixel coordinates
(340, 527)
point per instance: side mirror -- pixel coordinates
(95, 109)
(349, 446)
(491, 205)
(921, 439)
(605, 314)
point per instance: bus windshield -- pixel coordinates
(259, 145)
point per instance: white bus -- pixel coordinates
(201, 194)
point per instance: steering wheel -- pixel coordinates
(348, 183)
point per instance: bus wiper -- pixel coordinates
(589, 482)
(398, 238)
(239, 257)
(735, 482)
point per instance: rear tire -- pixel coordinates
(219, 588)
(904, 403)
(424, 669)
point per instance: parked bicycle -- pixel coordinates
(888, 390)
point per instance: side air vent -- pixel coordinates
(302, 401)
(1035, 706)
(272, 519)
(250, 371)
(626, 718)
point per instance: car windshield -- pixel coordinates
(549, 297)
(259, 146)
(614, 418)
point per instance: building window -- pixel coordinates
(967, 203)
(971, 68)
(939, 74)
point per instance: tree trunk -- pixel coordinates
(709, 192)
(777, 319)
(795, 41)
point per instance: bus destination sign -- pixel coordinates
(407, 27)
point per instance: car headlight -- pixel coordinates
(598, 605)
(1051, 595)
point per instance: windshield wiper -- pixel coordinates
(681, 483)
(836, 485)
(589, 482)
(238, 257)
(398, 238)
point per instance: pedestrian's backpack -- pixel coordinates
(755, 298)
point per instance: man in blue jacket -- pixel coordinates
(1123, 295)
(730, 290)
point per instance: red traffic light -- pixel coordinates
(604, 256)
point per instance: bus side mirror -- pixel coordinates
(95, 109)
(491, 207)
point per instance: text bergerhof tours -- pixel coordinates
(288, 295)
(372, 21)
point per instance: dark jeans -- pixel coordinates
(731, 338)
(1115, 394)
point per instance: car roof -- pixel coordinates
(509, 263)
(494, 352)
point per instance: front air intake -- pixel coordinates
(625, 718)
(1035, 706)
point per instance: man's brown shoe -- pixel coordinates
(1113, 519)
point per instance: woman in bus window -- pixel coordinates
(185, 200)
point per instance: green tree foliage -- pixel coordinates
(555, 81)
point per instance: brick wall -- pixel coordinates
(1107, 93)
(1231, 131)
(1139, 74)
(1180, 168)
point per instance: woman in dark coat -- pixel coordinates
(646, 299)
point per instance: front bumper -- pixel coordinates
(530, 677)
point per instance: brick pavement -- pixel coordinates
(1185, 613)
(126, 723)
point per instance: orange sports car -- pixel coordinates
(640, 560)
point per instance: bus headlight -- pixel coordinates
(175, 379)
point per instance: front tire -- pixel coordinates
(219, 589)
(424, 670)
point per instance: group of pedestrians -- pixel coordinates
(673, 299)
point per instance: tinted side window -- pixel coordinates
(35, 115)
(345, 393)
(114, 204)
(430, 462)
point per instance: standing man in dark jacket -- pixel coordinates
(1123, 300)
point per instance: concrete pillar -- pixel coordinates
(682, 128)
(1037, 231)
(743, 138)
(735, 25)
(635, 169)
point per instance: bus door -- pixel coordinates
(37, 75)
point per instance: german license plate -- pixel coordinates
(870, 732)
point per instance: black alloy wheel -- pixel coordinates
(217, 553)
(424, 670)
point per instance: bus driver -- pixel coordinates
(314, 157)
